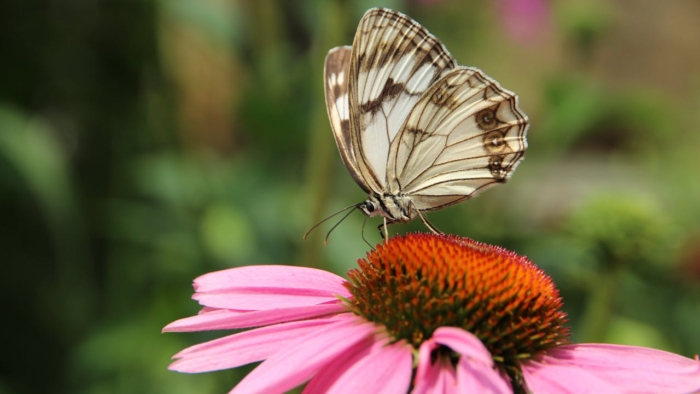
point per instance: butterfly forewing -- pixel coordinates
(394, 61)
(336, 76)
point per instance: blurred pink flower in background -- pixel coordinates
(466, 316)
(525, 21)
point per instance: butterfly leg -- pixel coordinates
(425, 221)
(385, 233)
(383, 228)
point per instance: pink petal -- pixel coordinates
(475, 377)
(464, 343)
(277, 276)
(294, 365)
(245, 347)
(385, 369)
(565, 379)
(475, 371)
(225, 319)
(613, 368)
(446, 381)
(268, 287)
(257, 299)
(437, 377)
(330, 373)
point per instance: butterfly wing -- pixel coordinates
(465, 134)
(394, 60)
(336, 75)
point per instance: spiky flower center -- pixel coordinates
(415, 284)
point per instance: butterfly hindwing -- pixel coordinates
(394, 61)
(465, 134)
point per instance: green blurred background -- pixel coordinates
(146, 142)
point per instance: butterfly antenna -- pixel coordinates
(325, 240)
(324, 220)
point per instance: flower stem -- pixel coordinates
(599, 311)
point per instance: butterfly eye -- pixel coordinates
(369, 205)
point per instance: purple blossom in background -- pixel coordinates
(525, 21)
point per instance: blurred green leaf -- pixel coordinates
(623, 229)
(221, 20)
(633, 333)
(227, 233)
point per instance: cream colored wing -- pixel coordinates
(465, 134)
(336, 74)
(394, 61)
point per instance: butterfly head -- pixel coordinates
(371, 206)
(368, 208)
(394, 208)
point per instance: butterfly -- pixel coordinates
(417, 131)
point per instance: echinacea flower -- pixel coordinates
(424, 314)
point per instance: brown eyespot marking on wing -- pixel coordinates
(453, 102)
(486, 118)
(443, 93)
(494, 141)
(496, 167)
(391, 90)
(438, 98)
